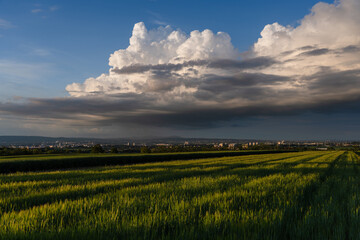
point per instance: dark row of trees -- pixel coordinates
(180, 148)
(4, 151)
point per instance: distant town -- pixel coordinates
(36, 145)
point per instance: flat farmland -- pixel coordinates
(42, 162)
(303, 195)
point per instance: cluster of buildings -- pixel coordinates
(232, 144)
(249, 144)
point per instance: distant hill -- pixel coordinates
(29, 140)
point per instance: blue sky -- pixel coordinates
(48, 50)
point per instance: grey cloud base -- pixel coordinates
(329, 92)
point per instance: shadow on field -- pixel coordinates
(323, 210)
(147, 175)
(29, 165)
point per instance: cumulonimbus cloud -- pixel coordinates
(166, 77)
(162, 49)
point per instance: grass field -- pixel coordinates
(305, 195)
(42, 162)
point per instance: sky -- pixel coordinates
(227, 69)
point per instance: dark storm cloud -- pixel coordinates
(161, 82)
(253, 63)
(350, 49)
(207, 117)
(244, 85)
(311, 51)
(307, 48)
(260, 62)
(328, 81)
(136, 68)
(245, 79)
(302, 49)
(327, 91)
(66, 108)
(316, 52)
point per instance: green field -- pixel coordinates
(304, 195)
(42, 162)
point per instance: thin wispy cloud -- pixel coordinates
(54, 8)
(40, 52)
(22, 70)
(157, 18)
(37, 10)
(158, 22)
(44, 9)
(4, 24)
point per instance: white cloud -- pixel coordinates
(320, 40)
(163, 45)
(328, 25)
(158, 46)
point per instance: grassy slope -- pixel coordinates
(313, 195)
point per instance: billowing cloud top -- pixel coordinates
(166, 77)
(329, 37)
(162, 46)
(331, 26)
